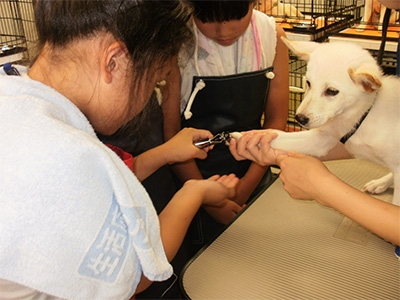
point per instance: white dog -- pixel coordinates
(348, 99)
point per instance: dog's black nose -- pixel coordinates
(302, 119)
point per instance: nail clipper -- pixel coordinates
(219, 138)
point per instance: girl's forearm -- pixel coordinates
(176, 218)
(379, 217)
(148, 162)
(250, 181)
(187, 170)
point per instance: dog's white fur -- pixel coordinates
(344, 81)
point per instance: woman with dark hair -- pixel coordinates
(75, 222)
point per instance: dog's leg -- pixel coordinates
(312, 142)
(379, 185)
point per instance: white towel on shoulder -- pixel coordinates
(74, 220)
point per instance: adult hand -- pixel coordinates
(255, 145)
(303, 176)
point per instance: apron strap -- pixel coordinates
(199, 86)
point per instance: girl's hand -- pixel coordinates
(214, 190)
(255, 145)
(181, 147)
(225, 213)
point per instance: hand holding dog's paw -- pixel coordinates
(255, 145)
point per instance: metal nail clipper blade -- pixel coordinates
(216, 139)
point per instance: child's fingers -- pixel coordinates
(229, 181)
(214, 177)
(227, 178)
(237, 209)
(201, 134)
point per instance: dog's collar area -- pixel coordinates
(345, 138)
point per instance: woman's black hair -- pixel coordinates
(153, 31)
(220, 10)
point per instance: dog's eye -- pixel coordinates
(331, 92)
(308, 84)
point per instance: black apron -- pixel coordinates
(228, 103)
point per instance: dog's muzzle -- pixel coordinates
(302, 119)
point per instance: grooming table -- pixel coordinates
(282, 248)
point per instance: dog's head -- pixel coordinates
(342, 79)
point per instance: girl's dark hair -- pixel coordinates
(153, 31)
(220, 10)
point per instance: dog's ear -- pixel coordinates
(302, 49)
(369, 82)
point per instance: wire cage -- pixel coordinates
(378, 31)
(371, 24)
(373, 20)
(297, 87)
(310, 16)
(17, 31)
(377, 24)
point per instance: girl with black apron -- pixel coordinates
(224, 103)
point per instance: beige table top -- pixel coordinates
(281, 248)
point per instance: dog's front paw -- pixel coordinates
(379, 185)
